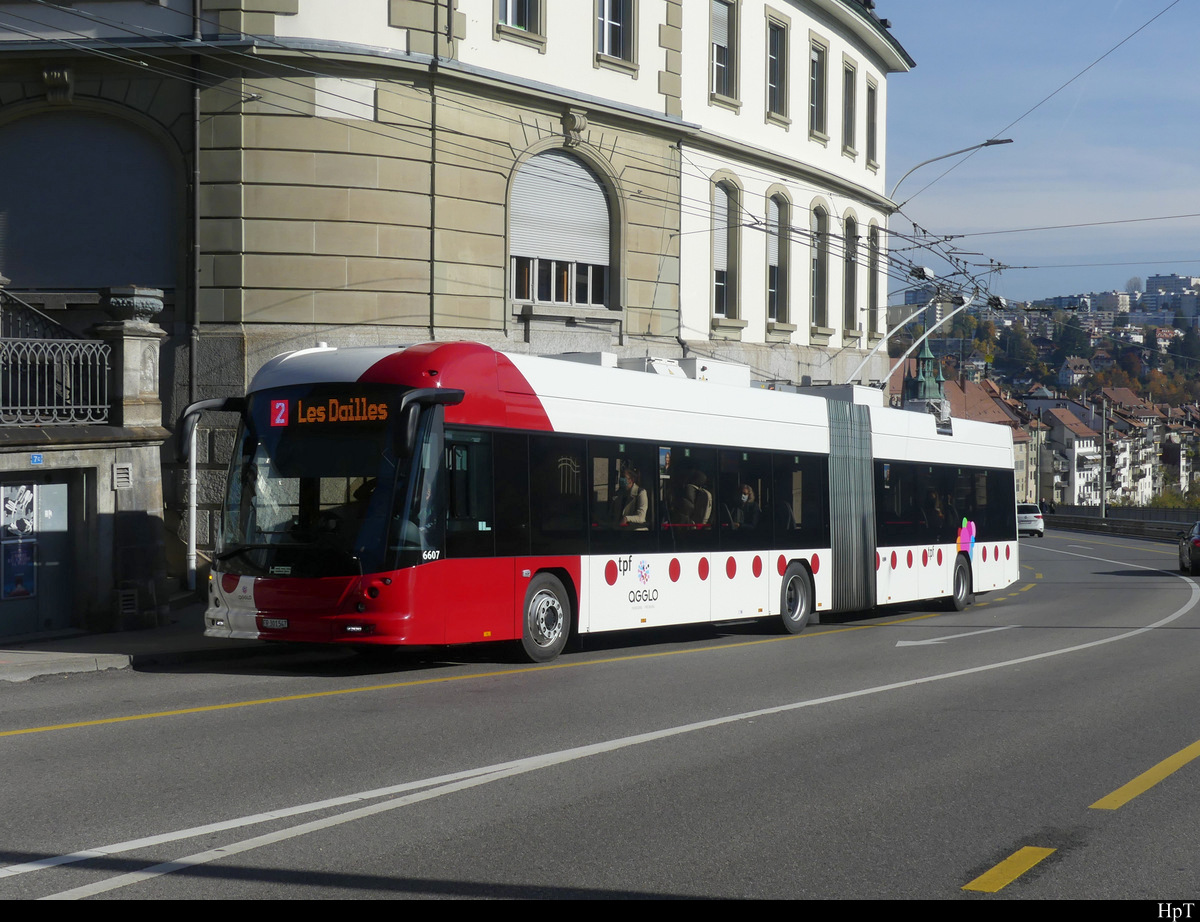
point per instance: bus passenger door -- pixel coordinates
(477, 586)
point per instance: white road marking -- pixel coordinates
(933, 640)
(448, 784)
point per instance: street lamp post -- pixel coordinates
(992, 143)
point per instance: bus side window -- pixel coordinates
(745, 491)
(622, 510)
(801, 500)
(558, 495)
(470, 528)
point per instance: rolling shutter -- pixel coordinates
(720, 229)
(559, 211)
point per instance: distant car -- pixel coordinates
(1189, 550)
(1030, 521)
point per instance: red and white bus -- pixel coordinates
(447, 493)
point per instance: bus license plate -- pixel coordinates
(274, 624)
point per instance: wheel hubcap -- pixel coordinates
(795, 597)
(545, 618)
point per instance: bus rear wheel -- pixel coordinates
(960, 596)
(547, 621)
(796, 600)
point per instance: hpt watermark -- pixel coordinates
(1175, 912)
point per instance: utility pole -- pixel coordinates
(1103, 457)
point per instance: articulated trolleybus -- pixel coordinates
(448, 494)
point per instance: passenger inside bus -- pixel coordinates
(748, 512)
(632, 502)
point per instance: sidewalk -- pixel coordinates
(180, 641)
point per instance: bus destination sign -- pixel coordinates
(331, 410)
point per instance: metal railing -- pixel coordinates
(52, 382)
(49, 376)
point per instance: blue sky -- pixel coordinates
(1121, 142)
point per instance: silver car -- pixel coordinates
(1030, 521)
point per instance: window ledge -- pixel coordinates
(848, 150)
(780, 332)
(874, 339)
(851, 336)
(521, 37)
(620, 65)
(820, 336)
(730, 326)
(819, 136)
(726, 102)
(526, 311)
(872, 165)
(775, 118)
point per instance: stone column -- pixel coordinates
(139, 556)
(135, 339)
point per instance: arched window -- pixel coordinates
(726, 207)
(559, 233)
(778, 248)
(820, 267)
(873, 280)
(850, 277)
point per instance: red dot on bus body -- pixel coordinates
(731, 568)
(610, 572)
(1008, 552)
(815, 564)
(996, 552)
(229, 581)
(939, 556)
(893, 560)
(877, 560)
(673, 570)
(757, 566)
(910, 560)
(985, 552)
(781, 565)
(924, 558)
(702, 569)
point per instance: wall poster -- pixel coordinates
(18, 544)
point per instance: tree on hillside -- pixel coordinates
(1016, 345)
(1189, 348)
(1134, 285)
(963, 325)
(1072, 340)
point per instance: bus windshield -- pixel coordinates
(313, 482)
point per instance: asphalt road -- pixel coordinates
(980, 755)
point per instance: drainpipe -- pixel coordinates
(433, 76)
(194, 285)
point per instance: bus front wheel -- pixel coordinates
(797, 599)
(547, 621)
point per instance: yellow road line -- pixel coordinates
(1009, 869)
(456, 678)
(1148, 779)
